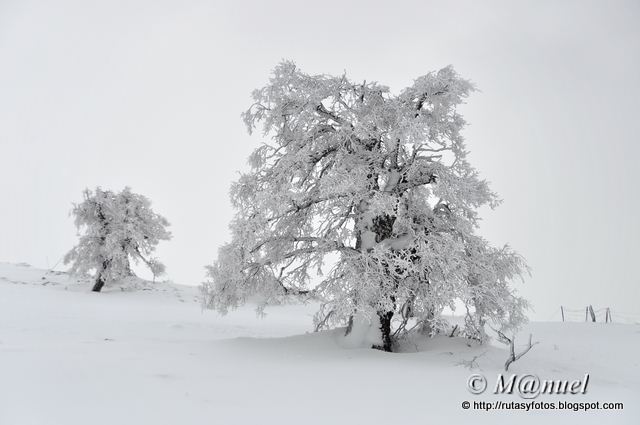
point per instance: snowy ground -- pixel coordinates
(152, 356)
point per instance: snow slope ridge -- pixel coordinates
(69, 356)
(26, 275)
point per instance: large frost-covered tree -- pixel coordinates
(115, 228)
(379, 186)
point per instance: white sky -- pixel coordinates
(149, 94)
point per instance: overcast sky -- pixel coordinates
(149, 94)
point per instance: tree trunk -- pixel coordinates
(370, 230)
(127, 267)
(385, 331)
(349, 326)
(97, 287)
(125, 255)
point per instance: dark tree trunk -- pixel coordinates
(383, 228)
(385, 330)
(349, 326)
(97, 287)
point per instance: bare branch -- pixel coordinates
(323, 322)
(512, 351)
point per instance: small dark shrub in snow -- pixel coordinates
(377, 184)
(115, 228)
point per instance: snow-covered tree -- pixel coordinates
(376, 184)
(115, 228)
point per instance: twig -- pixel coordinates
(323, 322)
(472, 364)
(453, 331)
(512, 352)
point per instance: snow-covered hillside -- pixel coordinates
(152, 356)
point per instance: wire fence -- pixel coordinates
(591, 314)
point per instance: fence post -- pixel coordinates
(593, 314)
(562, 312)
(586, 313)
